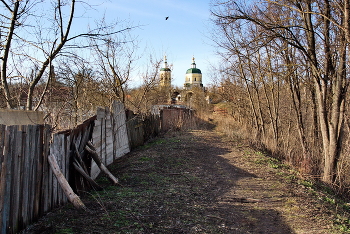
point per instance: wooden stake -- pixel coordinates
(72, 197)
(80, 159)
(79, 169)
(99, 163)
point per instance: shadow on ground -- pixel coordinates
(176, 184)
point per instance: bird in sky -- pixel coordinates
(166, 18)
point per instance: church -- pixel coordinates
(193, 77)
(193, 80)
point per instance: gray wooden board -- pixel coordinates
(13, 175)
(2, 136)
(7, 180)
(66, 174)
(96, 140)
(21, 173)
(85, 138)
(26, 171)
(55, 152)
(78, 139)
(38, 171)
(4, 140)
(62, 165)
(16, 181)
(45, 174)
(32, 177)
(60, 160)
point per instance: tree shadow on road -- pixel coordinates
(181, 183)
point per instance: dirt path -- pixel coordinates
(196, 182)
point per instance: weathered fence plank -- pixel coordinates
(45, 194)
(38, 161)
(6, 181)
(26, 176)
(61, 162)
(55, 151)
(16, 178)
(32, 170)
(49, 184)
(121, 144)
(2, 139)
(67, 161)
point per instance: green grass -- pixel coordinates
(65, 231)
(145, 159)
(342, 224)
(266, 160)
(306, 183)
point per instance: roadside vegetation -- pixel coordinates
(284, 81)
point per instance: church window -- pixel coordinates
(195, 79)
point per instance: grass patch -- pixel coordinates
(342, 224)
(306, 183)
(329, 200)
(65, 231)
(266, 160)
(157, 141)
(145, 159)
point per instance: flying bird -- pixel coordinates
(166, 18)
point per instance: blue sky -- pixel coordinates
(183, 35)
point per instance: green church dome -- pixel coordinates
(165, 69)
(193, 70)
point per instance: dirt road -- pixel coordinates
(197, 182)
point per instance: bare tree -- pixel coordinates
(10, 21)
(35, 37)
(319, 31)
(142, 98)
(78, 78)
(115, 56)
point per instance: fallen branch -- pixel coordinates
(72, 197)
(99, 163)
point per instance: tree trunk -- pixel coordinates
(336, 119)
(6, 54)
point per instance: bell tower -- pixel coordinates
(165, 75)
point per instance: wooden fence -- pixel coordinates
(142, 128)
(28, 187)
(26, 182)
(177, 118)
